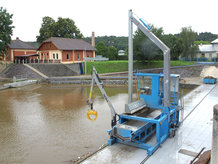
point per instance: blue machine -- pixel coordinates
(147, 128)
(147, 122)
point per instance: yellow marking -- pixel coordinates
(90, 94)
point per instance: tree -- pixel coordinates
(188, 37)
(175, 44)
(206, 36)
(64, 27)
(144, 48)
(112, 53)
(46, 30)
(6, 29)
(101, 49)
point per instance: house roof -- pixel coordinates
(70, 44)
(215, 41)
(206, 48)
(18, 44)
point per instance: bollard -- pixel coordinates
(214, 151)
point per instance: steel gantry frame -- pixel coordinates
(166, 51)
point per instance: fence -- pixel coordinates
(199, 59)
(24, 61)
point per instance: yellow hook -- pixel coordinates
(93, 113)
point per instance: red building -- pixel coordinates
(65, 50)
(18, 49)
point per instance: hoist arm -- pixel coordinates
(97, 80)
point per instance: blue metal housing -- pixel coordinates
(149, 131)
(209, 81)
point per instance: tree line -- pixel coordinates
(183, 44)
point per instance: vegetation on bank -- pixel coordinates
(122, 65)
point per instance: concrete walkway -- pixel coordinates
(194, 134)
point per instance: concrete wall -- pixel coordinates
(74, 67)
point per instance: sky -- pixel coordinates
(110, 17)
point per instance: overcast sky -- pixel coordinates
(110, 17)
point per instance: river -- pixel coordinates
(47, 124)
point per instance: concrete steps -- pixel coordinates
(54, 70)
(20, 71)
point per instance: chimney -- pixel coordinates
(93, 39)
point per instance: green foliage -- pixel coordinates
(188, 37)
(144, 48)
(64, 27)
(121, 43)
(175, 44)
(206, 36)
(109, 52)
(201, 42)
(46, 30)
(6, 29)
(122, 65)
(112, 53)
(123, 57)
(101, 49)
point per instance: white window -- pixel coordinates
(56, 55)
(53, 56)
(67, 56)
(78, 56)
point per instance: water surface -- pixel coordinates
(48, 124)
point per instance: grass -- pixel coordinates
(122, 65)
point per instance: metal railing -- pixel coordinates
(25, 61)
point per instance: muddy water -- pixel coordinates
(47, 123)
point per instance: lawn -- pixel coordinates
(122, 65)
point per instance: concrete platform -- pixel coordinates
(194, 134)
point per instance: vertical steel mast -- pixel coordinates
(130, 64)
(166, 51)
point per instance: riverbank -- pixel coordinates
(189, 75)
(122, 65)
